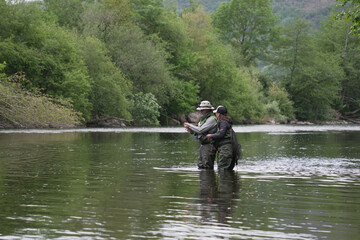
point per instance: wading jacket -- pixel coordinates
(222, 136)
(207, 125)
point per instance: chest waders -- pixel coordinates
(229, 150)
(224, 151)
(206, 155)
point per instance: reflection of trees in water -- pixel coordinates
(218, 194)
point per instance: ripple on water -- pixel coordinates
(173, 229)
(335, 168)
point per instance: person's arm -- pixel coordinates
(203, 129)
(223, 127)
(187, 128)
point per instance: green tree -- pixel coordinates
(109, 88)
(169, 32)
(351, 12)
(63, 71)
(46, 53)
(337, 40)
(148, 14)
(101, 18)
(186, 99)
(311, 77)
(68, 13)
(154, 57)
(21, 21)
(143, 62)
(220, 81)
(247, 25)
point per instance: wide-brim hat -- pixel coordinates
(205, 105)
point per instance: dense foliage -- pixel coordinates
(351, 12)
(147, 61)
(248, 25)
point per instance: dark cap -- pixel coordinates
(221, 109)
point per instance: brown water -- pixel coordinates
(293, 183)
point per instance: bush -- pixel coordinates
(145, 109)
(273, 112)
(281, 97)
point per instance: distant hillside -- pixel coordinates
(306, 5)
(312, 10)
(209, 5)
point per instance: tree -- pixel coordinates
(220, 81)
(21, 21)
(148, 14)
(109, 88)
(169, 32)
(143, 62)
(68, 13)
(311, 77)
(351, 12)
(336, 39)
(101, 18)
(46, 53)
(247, 25)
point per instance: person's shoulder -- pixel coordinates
(212, 118)
(227, 124)
(223, 123)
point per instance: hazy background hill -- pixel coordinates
(312, 10)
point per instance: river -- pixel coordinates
(294, 182)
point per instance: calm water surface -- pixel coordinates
(294, 182)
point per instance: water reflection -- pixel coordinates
(218, 195)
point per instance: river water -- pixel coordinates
(294, 182)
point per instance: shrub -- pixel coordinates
(145, 109)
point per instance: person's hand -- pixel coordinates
(208, 136)
(186, 125)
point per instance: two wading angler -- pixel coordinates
(216, 135)
(206, 125)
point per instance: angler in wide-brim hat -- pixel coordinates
(206, 125)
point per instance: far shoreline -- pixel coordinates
(144, 127)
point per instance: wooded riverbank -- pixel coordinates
(112, 63)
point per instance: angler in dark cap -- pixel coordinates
(222, 139)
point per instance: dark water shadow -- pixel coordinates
(218, 194)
